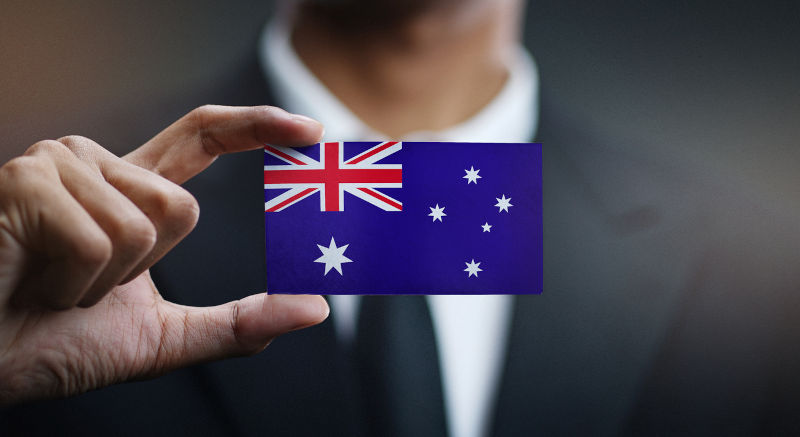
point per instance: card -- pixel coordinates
(404, 218)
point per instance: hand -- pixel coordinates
(79, 227)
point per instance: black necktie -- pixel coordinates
(398, 368)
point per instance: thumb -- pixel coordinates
(243, 327)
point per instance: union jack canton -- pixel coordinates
(332, 176)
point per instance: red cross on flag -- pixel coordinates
(331, 176)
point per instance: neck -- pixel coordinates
(427, 71)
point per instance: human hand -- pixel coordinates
(79, 229)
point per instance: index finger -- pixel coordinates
(192, 143)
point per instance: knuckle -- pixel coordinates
(136, 234)
(82, 147)
(21, 165)
(72, 141)
(185, 211)
(46, 147)
(27, 170)
(201, 112)
(176, 209)
(199, 119)
(93, 249)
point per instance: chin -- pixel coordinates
(386, 11)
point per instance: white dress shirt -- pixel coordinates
(471, 330)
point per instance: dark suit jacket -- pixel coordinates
(669, 307)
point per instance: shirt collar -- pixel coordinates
(510, 117)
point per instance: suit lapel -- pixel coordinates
(579, 353)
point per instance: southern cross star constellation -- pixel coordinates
(436, 212)
(333, 257)
(472, 175)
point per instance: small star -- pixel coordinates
(486, 227)
(472, 175)
(503, 203)
(333, 257)
(472, 268)
(437, 213)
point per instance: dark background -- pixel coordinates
(716, 81)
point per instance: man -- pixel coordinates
(654, 319)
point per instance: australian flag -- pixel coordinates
(404, 218)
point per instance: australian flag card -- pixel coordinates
(404, 218)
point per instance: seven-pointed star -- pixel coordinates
(472, 268)
(472, 175)
(333, 257)
(437, 213)
(486, 227)
(503, 203)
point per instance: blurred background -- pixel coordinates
(717, 81)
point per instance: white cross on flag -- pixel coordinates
(331, 176)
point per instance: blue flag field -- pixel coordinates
(404, 218)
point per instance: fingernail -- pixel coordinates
(310, 123)
(316, 310)
(303, 119)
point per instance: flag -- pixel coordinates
(404, 218)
